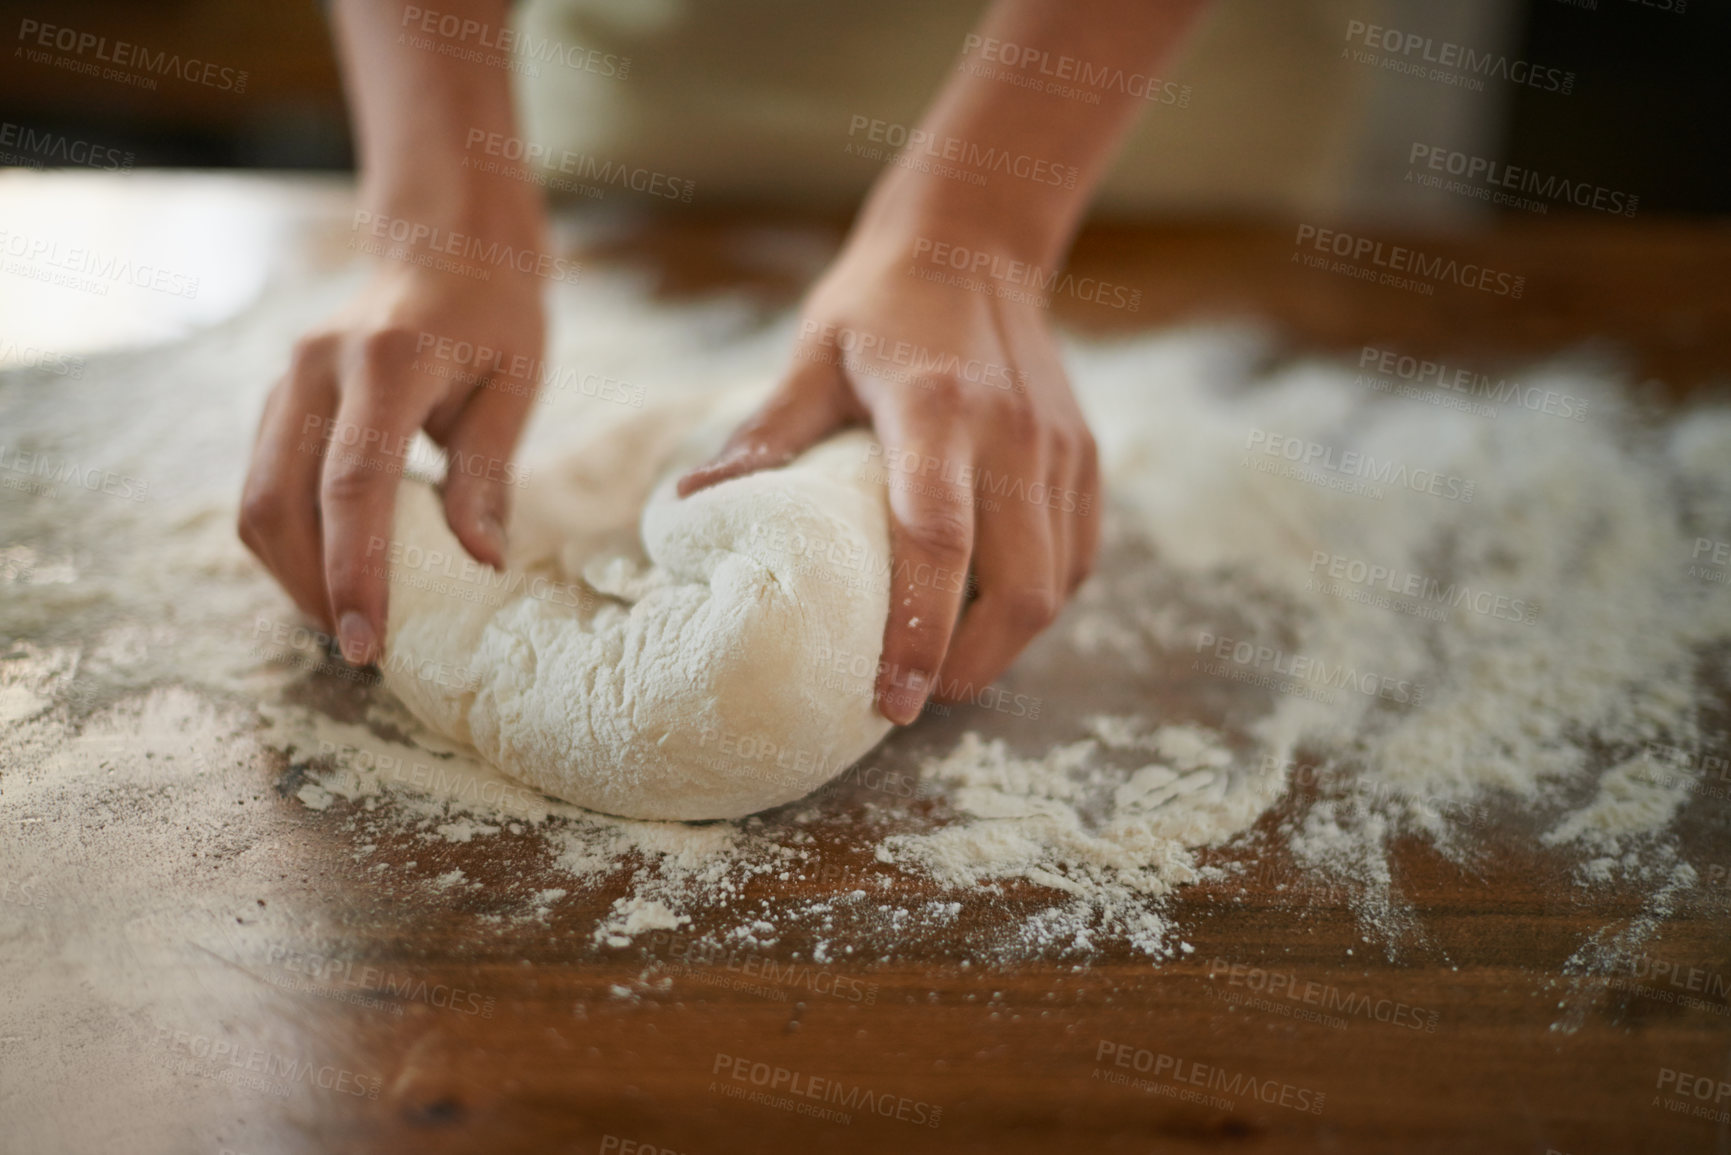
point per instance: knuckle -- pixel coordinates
(311, 354)
(1018, 422)
(816, 350)
(944, 391)
(1082, 570)
(350, 482)
(942, 532)
(1072, 443)
(1031, 608)
(262, 514)
(385, 350)
(1088, 450)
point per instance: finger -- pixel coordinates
(1084, 517)
(279, 511)
(931, 539)
(479, 474)
(1066, 506)
(376, 420)
(1063, 529)
(811, 401)
(1018, 567)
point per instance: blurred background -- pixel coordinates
(750, 99)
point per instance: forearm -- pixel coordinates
(1099, 39)
(415, 112)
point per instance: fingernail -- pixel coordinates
(689, 479)
(725, 461)
(902, 704)
(355, 636)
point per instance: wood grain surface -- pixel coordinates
(450, 1023)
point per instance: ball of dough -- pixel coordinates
(647, 655)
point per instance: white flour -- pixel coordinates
(1212, 667)
(1109, 837)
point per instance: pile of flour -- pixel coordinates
(1551, 651)
(1583, 636)
(1550, 645)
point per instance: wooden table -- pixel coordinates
(522, 1034)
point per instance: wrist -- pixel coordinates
(492, 208)
(501, 241)
(921, 210)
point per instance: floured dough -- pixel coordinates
(646, 655)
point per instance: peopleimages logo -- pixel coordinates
(40, 148)
(286, 1069)
(1400, 263)
(514, 43)
(1364, 467)
(87, 269)
(473, 364)
(1373, 576)
(921, 362)
(1681, 976)
(1515, 179)
(45, 360)
(417, 235)
(1071, 76)
(584, 166)
(979, 479)
(1418, 372)
(1011, 276)
(970, 155)
(698, 954)
(1710, 1094)
(439, 779)
(1715, 569)
(766, 758)
(64, 471)
(1304, 668)
(470, 580)
(1375, 795)
(804, 1092)
(343, 976)
(1705, 763)
(1173, 1069)
(1456, 62)
(40, 39)
(1327, 996)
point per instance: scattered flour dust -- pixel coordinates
(1506, 612)
(1108, 834)
(632, 916)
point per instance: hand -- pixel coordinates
(988, 459)
(322, 486)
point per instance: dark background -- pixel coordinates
(1651, 111)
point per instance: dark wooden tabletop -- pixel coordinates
(450, 1021)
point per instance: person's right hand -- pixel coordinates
(321, 490)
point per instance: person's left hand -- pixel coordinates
(989, 462)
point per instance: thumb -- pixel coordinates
(479, 473)
(811, 401)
